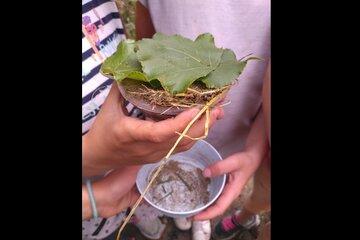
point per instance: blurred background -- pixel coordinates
(127, 14)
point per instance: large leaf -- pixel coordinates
(177, 61)
(123, 63)
(174, 62)
(227, 71)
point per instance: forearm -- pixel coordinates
(267, 101)
(256, 142)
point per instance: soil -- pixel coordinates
(179, 187)
(197, 94)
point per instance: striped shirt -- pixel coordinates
(102, 31)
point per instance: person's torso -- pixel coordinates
(244, 27)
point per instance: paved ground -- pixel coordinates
(172, 233)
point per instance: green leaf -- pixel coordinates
(227, 71)
(205, 38)
(177, 61)
(174, 62)
(155, 84)
(123, 63)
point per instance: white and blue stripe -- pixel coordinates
(105, 16)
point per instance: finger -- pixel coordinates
(156, 156)
(186, 147)
(123, 172)
(230, 164)
(198, 129)
(149, 119)
(231, 191)
(167, 128)
(158, 132)
(158, 152)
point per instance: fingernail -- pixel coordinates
(207, 173)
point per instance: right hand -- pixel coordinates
(117, 140)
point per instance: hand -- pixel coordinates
(117, 140)
(241, 167)
(112, 194)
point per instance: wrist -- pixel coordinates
(256, 143)
(100, 196)
(256, 153)
(86, 207)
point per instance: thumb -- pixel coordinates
(160, 131)
(230, 164)
(168, 127)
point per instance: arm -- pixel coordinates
(267, 101)
(240, 166)
(143, 23)
(116, 140)
(255, 150)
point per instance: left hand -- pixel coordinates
(114, 193)
(240, 166)
(117, 191)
